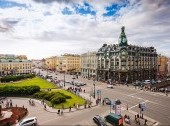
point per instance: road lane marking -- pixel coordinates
(88, 123)
(134, 93)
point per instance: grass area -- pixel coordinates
(43, 84)
(69, 102)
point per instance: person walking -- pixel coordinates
(58, 111)
(70, 109)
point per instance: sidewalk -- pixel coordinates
(73, 109)
(150, 122)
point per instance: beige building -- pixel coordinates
(168, 67)
(162, 62)
(69, 63)
(15, 66)
(51, 63)
(88, 64)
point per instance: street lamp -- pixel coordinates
(94, 87)
(73, 82)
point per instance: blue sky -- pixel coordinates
(54, 27)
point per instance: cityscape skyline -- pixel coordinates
(43, 28)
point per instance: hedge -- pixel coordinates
(53, 97)
(18, 91)
(16, 77)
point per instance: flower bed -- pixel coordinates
(17, 114)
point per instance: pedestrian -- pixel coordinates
(70, 109)
(58, 111)
(135, 118)
(146, 122)
(77, 106)
(103, 102)
(45, 106)
(84, 90)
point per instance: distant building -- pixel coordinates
(11, 65)
(168, 67)
(88, 64)
(69, 63)
(126, 63)
(51, 63)
(162, 62)
(37, 63)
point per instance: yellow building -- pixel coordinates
(162, 62)
(51, 63)
(69, 63)
(15, 66)
(21, 57)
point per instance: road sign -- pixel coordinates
(143, 106)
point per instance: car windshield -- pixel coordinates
(101, 119)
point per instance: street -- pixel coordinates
(157, 104)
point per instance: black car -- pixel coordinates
(107, 101)
(100, 121)
(83, 84)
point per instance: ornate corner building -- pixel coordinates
(126, 63)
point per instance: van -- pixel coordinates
(114, 119)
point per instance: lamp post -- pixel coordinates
(94, 87)
(73, 82)
(64, 78)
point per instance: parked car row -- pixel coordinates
(145, 82)
(76, 84)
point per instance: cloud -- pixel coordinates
(51, 27)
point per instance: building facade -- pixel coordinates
(51, 63)
(88, 64)
(162, 62)
(15, 66)
(168, 67)
(69, 63)
(126, 63)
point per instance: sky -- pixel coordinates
(44, 28)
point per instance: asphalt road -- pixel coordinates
(157, 104)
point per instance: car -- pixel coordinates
(100, 121)
(77, 84)
(83, 84)
(109, 86)
(107, 101)
(31, 121)
(147, 82)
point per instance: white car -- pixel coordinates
(31, 121)
(109, 86)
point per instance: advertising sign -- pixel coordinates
(118, 109)
(143, 106)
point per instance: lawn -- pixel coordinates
(43, 84)
(69, 102)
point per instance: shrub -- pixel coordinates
(48, 96)
(58, 100)
(40, 95)
(19, 91)
(16, 77)
(53, 97)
